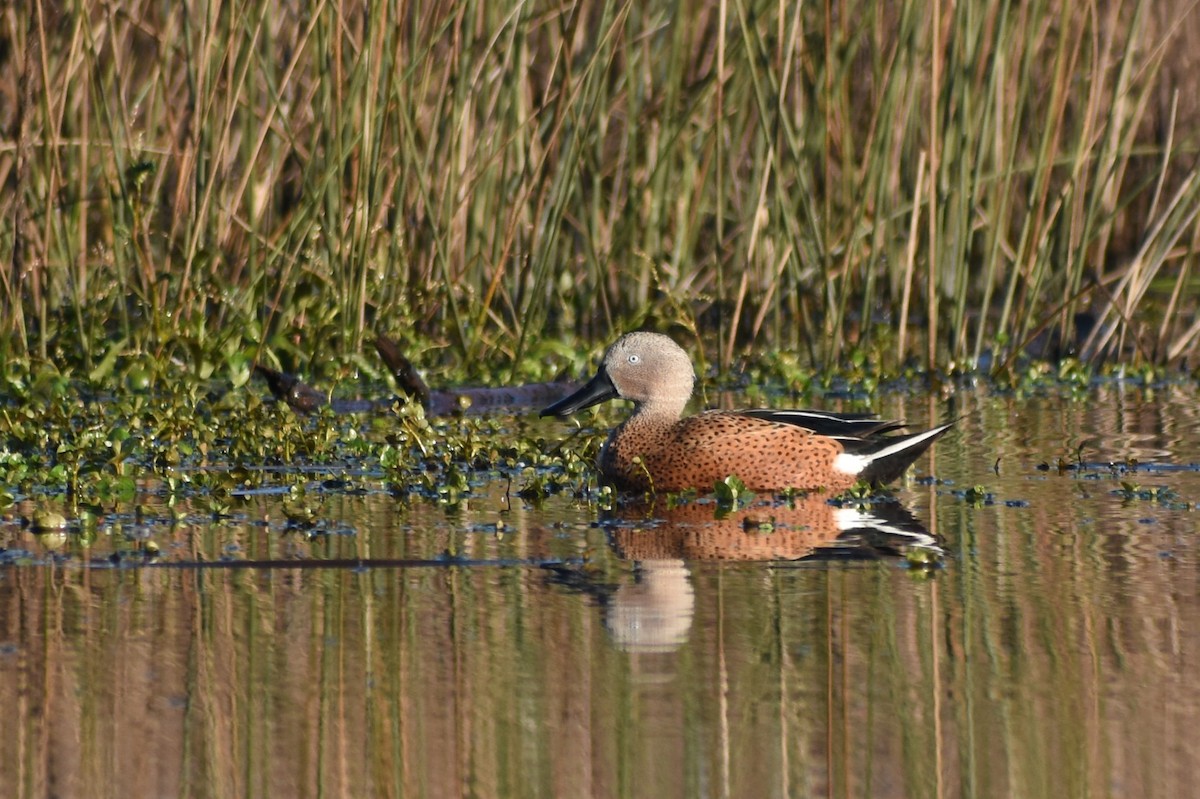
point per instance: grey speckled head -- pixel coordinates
(652, 370)
(648, 368)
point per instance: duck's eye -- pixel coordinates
(635, 358)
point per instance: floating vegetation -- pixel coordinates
(978, 496)
(732, 494)
(199, 440)
(1162, 495)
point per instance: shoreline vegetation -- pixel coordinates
(504, 186)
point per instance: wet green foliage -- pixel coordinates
(91, 444)
(978, 496)
(1165, 496)
(731, 494)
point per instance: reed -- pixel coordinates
(981, 176)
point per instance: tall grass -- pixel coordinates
(921, 181)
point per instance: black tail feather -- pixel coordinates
(892, 455)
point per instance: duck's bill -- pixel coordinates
(597, 390)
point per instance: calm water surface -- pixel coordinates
(502, 650)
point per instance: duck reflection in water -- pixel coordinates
(654, 612)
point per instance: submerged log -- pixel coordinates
(303, 398)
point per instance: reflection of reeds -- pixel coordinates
(491, 171)
(1027, 664)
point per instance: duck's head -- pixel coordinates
(648, 368)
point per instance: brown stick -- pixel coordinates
(303, 398)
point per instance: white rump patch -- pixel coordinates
(851, 464)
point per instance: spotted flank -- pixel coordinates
(658, 449)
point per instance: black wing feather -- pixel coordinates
(833, 425)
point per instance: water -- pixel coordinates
(495, 649)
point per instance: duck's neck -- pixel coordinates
(663, 408)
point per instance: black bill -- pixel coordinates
(597, 390)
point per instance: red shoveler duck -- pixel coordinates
(657, 449)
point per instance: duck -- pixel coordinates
(658, 449)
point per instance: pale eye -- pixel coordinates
(635, 359)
